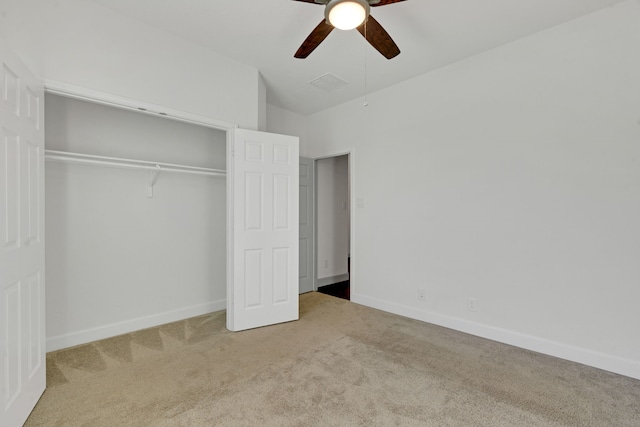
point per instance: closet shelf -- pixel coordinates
(115, 162)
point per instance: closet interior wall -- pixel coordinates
(118, 260)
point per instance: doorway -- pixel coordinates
(333, 225)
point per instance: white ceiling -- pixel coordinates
(430, 33)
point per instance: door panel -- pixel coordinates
(306, 243)
(12, 375)
(281, 200)
(35, 332)
(32, 199)
(281, 284)
(22, 339)
(10, 189)
(263, 213)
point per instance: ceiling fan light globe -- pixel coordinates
(347, 14)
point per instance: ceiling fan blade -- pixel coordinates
(379, 38)
(382, 2)
(315, 38)
(314, 1)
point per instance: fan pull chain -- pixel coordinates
(366, 89)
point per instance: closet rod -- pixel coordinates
(90, 159)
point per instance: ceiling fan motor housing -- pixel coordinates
(333, 3)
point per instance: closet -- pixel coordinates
(135, 220)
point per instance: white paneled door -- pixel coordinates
(22, 338)
(263, 209)
(307, 247)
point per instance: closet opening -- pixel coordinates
(136, 227)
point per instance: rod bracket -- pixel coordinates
(153, 178)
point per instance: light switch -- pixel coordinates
(360, 202)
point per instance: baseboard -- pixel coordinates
(325, 281)
(114, 329)
(618, 365)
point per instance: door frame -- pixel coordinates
(351, 154)
(312, 213)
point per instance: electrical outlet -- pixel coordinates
(472, 304)
(326, 263)
(421, 294)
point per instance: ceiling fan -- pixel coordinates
(347, 15)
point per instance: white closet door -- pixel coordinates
(22, 338)
(263, 175)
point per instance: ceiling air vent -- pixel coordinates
(328, 82)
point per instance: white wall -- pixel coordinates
(117, 260)
(513, 178)
(20, 24)
(262, 104)
(286, 122)
(86, 45)
(332, 184)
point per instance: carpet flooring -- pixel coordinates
(341, 364)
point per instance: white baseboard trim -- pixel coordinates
(325, 281)
(618, 365)
(89, 335)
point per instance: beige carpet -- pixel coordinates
(341, 364)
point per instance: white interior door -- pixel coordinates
(263, 176)
(307, 246)
(22, 338)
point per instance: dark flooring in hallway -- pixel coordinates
(340, 290)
